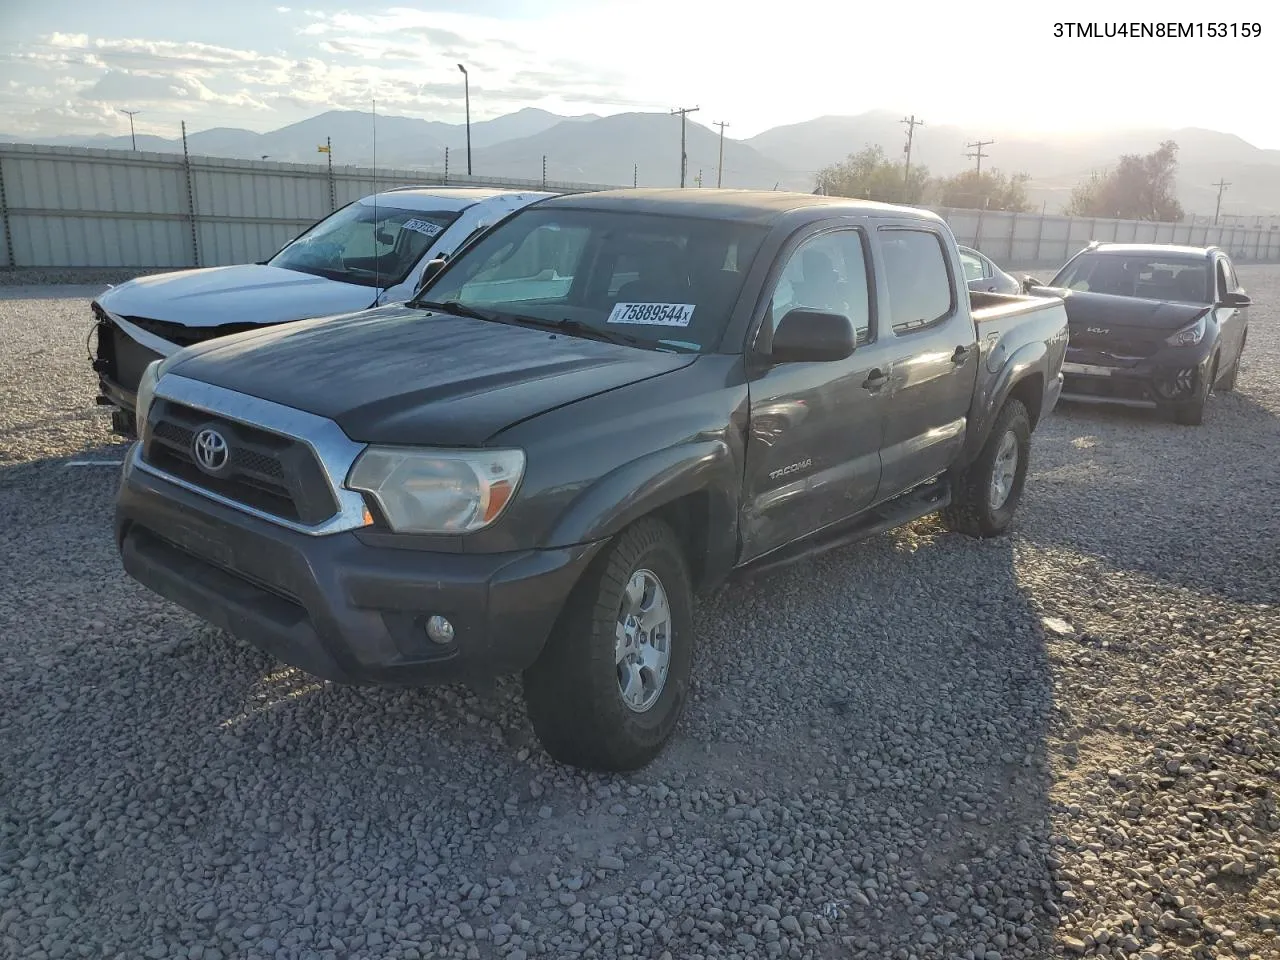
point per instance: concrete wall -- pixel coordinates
(87, 208)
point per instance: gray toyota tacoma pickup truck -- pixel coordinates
(606, 406)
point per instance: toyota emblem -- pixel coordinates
(210, 450)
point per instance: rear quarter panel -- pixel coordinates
(1022, 343)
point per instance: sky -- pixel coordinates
(70, 66)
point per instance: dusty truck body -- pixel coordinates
(605, 406)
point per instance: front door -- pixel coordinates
(813, 454)
(1231, 320)
(932, 347)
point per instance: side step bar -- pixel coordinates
(912, 505)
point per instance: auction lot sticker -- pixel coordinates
(423, 226)
(653, 314)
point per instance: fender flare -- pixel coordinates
(655, 480)
(1028, 360)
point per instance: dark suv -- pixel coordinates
(1152, 325)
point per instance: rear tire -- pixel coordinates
(986, 494)
(612, 644)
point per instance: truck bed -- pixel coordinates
(987, 307)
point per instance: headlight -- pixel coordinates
(1189, 336)
(438, 491)
(146, 393)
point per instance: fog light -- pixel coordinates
(440, 630)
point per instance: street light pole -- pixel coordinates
(133, 139)
(466, 86)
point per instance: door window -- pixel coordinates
(920, 289)
(972, 266)
(828, 273)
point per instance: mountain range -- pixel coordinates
(645, 148)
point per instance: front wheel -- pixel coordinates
(985, 495)
(613, 679)
(1191, 413)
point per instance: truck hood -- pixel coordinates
(404, 375)
(244, 293)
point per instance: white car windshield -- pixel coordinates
(658, 281)
(348, 246)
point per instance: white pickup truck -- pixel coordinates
(353, 259)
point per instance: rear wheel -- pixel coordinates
(613, 679)
(986, 494)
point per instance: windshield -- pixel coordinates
(657, 281)
(1176, 279)
(345, 245)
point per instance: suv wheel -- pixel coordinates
(986, 494)
(613, 679)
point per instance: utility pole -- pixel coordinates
(911, 123)
(635, 175)
(979, 144)
(544, 171)
(720, 169)
(131, 114)
(684, 157)
(466, 88)
(1221, 185)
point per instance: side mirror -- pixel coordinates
(1028, 283)
(428, 273)
(811, 336)
(1237, 299)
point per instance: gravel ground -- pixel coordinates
(924, 746)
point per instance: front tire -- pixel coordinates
(612, 682)
(986, 494)
(1191, 413)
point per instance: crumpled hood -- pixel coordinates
(244, 293)
(404, 375)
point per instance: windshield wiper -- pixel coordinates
(571, 327)
(578, 328)
(454, 308)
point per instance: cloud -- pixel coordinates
(404, 59)
(121, 86)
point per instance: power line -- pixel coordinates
(979, 154)
(911, 123)
(1221, 185)
(684, 156)
(720, 168)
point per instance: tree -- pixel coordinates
(1139, 188)
(869, 175)
(986, 191)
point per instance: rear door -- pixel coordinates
(933, 355)
(813, 452)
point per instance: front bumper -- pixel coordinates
(1166, 379)
(332, 605)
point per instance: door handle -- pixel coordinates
(960, 355)
(876, 379)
